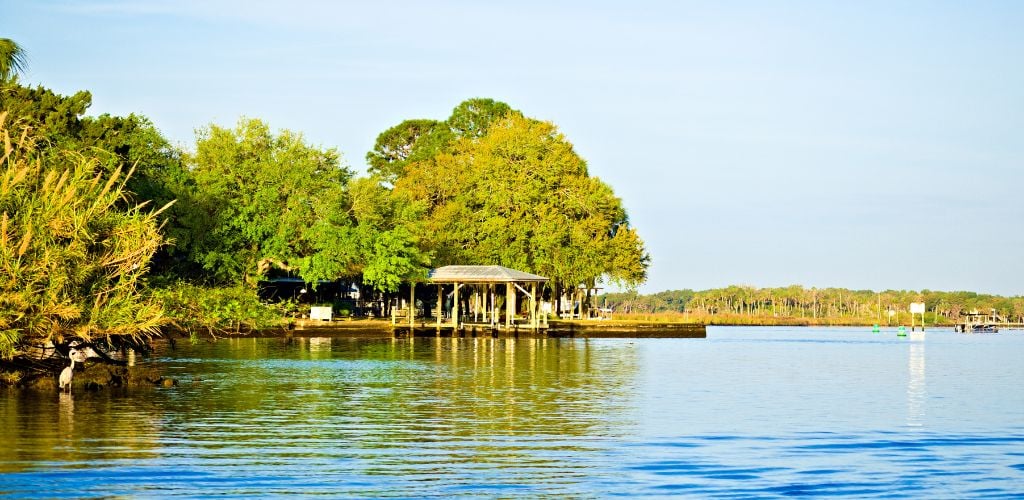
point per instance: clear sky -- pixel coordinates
(867, 145)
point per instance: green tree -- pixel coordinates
(55, 119)
(268, 200)
(59, 123)
(473, 117)
(71, 257)
(386, 229)
(521, 197)
(421, 140)
(13, 59)
(411, 140)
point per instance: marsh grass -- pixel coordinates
(72, 258)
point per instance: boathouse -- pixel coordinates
(484, 284)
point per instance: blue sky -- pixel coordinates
(868, 145)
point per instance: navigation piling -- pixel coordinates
(916, 309)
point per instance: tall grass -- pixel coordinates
(71, 260)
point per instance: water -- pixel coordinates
(747, 412)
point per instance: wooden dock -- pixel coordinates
(975, 322)
(428, 326)
(558, 329)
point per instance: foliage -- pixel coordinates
(392, 258)
(13, 59)
(670, 301)
(473, 117)
(59, 124)
(409, 141)
(521, 197)
(744, 304)
(266, 200)
(71, 258)
(194, 308)
(54, 118)
(420, 140)
(132, 141)
(386, 229)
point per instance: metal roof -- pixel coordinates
(481, 274)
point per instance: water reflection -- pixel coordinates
(481, 411)
(74, 430)
(66, 411)
(470, 404)
(917, 392)
(749, 413)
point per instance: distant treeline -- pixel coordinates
(814, 304)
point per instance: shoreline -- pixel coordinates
(382, 328)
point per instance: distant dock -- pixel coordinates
(975, 322)
(554, 329)
(566, 329)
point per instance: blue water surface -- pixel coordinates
(748, 412)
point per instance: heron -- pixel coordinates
(68, 372)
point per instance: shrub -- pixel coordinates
(195, 308)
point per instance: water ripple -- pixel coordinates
(848, 415)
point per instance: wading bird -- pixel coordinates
(66, 375)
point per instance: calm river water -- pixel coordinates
(747, 412)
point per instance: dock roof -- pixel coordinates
(481, 274)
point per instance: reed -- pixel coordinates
(72, 258)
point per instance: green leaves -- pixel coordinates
(473, 117)
(218, 309)
(512, 191)
(72, 250)
(13, 59)
(269, 200)
(392, 258)
(411, 140)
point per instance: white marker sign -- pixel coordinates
(917, 308)
(321, 313)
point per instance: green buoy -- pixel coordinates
(876, 329)
(902, 332)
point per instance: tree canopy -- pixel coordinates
(512, 191)
(486, 185)
(13, 59)
(822, 304)
(419, 139)
(265, 200)
(72, 257)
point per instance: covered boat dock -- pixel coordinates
(487, 287)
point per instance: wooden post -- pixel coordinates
(509, 293)
(485, 309)
(515, 305)
(585, 303)
(533, 305)
(412, 308)
(440, 311)
(455, 310)
(394, 312)
(494, 305)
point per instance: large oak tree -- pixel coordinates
(512, 191)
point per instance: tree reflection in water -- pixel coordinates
(460, 411)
